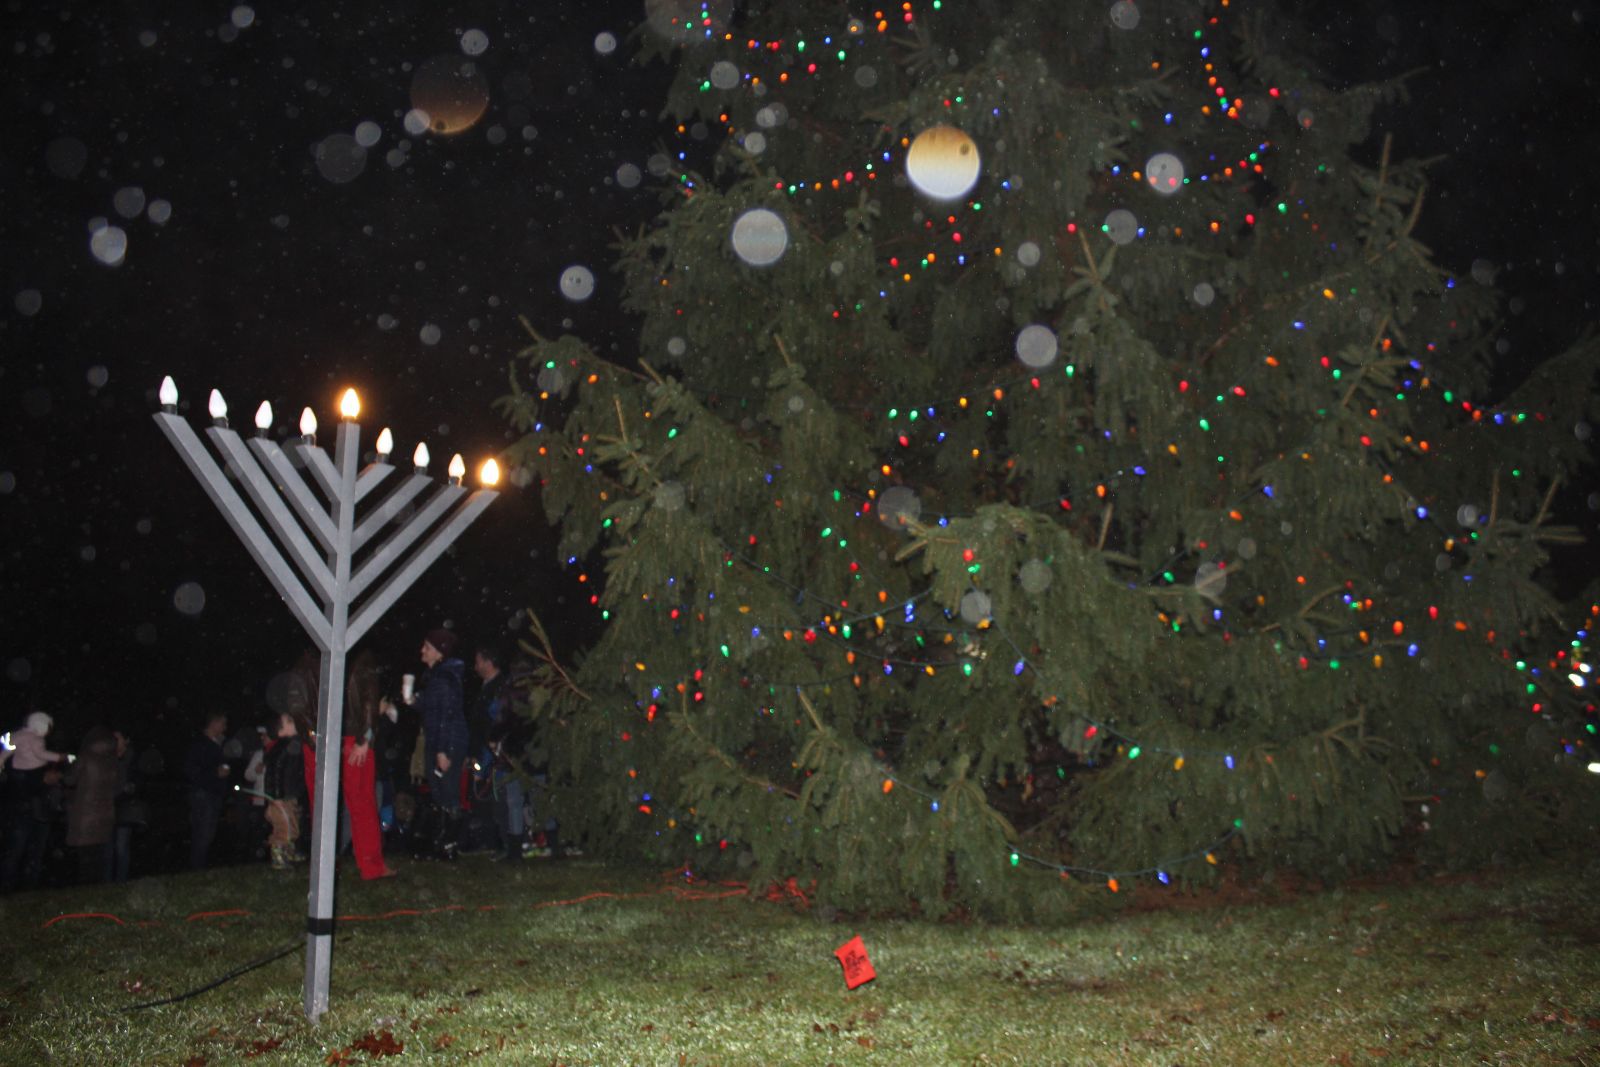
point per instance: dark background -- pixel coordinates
(272, 282)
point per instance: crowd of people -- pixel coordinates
(431, 764)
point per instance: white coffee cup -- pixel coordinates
(408, 685)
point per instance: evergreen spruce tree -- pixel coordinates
(1049, 449)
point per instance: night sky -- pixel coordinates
(283, 235)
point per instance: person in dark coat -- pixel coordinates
(206, 772)
(91, 805)
(441, 700)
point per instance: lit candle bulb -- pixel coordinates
(168, 394)
(218, 408)
(264, 417)
(349, 405)
(385, 444)
(489, 474)
(308, 426)
(419, 458)
(457, 469)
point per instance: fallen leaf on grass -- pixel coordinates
(443, 1041)
(383, 1043)
(261, 1048)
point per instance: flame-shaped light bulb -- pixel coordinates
(217, 406)
(264, 417)
(168, 393)
(385, 443)
(489, 473)
(308, 422)
(349, 404)
(419, 458)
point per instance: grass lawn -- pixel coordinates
(576, 962)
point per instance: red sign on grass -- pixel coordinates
(857, 967)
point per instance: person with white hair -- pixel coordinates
(28, 826)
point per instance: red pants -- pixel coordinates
(358, 785)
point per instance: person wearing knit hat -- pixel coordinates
(443, 641)
(441, 701)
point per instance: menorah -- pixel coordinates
(307, 545)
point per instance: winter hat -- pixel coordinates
(40, 723)
(443, 640)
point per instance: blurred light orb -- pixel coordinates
(976, 606)
(109, 245)
(1125, 15)
(551, 379)
(19, 670)
(1028, 254)
(474, 42)
(8, 483)
(1203, 294)
(243, 16)
(98, 376)
(65, 157)
(755, 142)
(724, 75)
(1164, 172)
(1035, 576)
(1037, 346)
(943, 163)
(368, 133)
(629, 175)
(1210, 579)
(189, 598)
(1122, 226)
(577, 283)
(670, 496)
(429, 334)
(451, 92)
(676, 346)
(128, 201)
(340, 159)
(159, 212)
(605, 42)
(760, 237)
(28, 302)
(898, 506)
(866, 77)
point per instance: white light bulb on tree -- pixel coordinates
(349, 404)
(457, 469)
(218, 407)
(264, 416)
(385, 444)
(168, 393)
(419, 458)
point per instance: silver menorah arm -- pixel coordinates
(371, 477)
(321, 467)
(419, 561)
(271, 506)
(242, 521)
(306, 504)
(392, 505)
(395, 545)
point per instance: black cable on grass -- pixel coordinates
(236, 972)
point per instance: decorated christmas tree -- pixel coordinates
(1050, 454)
